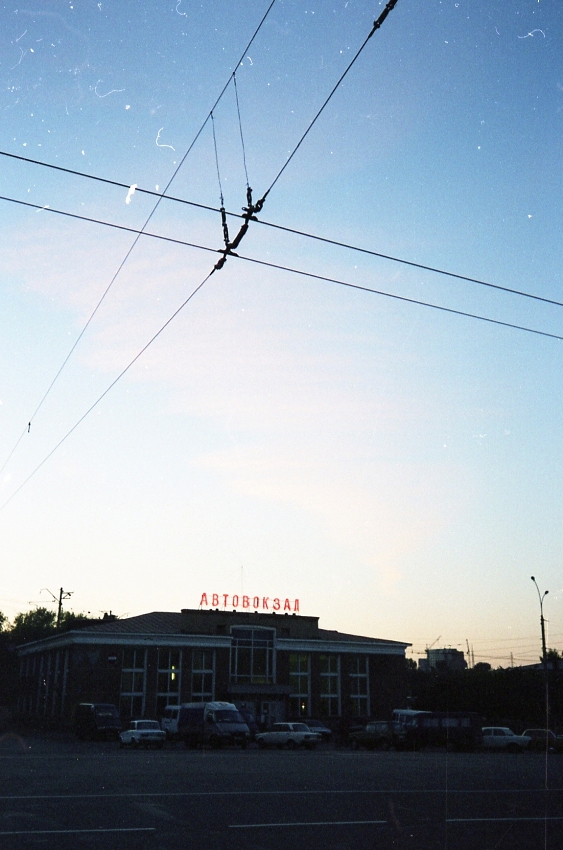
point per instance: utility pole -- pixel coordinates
(63, 594)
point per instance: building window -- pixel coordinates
(330, 685)
(133, 670)
(299, 680)
(168, 679)
(202, 675)
(359, 687)
(252, 655)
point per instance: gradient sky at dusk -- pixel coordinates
(396, 468)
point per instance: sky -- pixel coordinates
(396, 468)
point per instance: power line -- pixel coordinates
(249, 215)
(323, 239)
(401, 298)
(289, 269)
(376, 24)
(240, 130)
(132, 247)
(106, 391)
(281, 268)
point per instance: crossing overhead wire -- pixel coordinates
(268, 265)
(289, 269)
(376, 25)
(134, 243)
(240, 129)
(249, 213)
(224, 223)
(399, 297)
(323, 239)
(107, 390)
(217, 161)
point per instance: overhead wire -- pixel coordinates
(376, 25)
(270, 265)
(284, 228)
(401, 298)
(107, 390)
(135, 241)
(240, 130)
(229, 250)
(290, 269)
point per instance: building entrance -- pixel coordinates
(271, 711)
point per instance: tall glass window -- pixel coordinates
(359, 687)
(133, 672)
(330, 685)
(252, 655)
(168, 679)
(299, 680)
(203, 675)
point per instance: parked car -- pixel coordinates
(214, 723)
(544, 740)
(290, 735)
(378, 735)
(169, 721)
(503, 738)
(143, 733)
(96, 720)
(320, 729)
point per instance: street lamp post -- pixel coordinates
(542, 623)
(541, 597)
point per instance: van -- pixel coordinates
(455, 730)
(96, 720)
(169, 721)
(214, 723)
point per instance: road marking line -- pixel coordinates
(74, 831)
(306, 823)
(386, 791)
(492, 820)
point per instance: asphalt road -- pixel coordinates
(59, 793)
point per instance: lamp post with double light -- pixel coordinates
(541, 597)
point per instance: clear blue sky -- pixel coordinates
(396, 468)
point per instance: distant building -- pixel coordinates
(443, 659)
(277, 666)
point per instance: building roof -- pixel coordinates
(331, 634)
(170, 622)
(154, 623)
(164, 625)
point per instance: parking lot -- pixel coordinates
(57, 792)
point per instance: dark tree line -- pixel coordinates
(25, 628)
(513, 696)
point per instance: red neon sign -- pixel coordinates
(256, 603)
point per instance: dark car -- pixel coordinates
(320, 729)
(544, 740)
(96, 720)
(378, 735)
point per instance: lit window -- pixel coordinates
(299, 680)
(168, 679)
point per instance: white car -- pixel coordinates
(503, 738)
(143, 733)
(290, 735)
